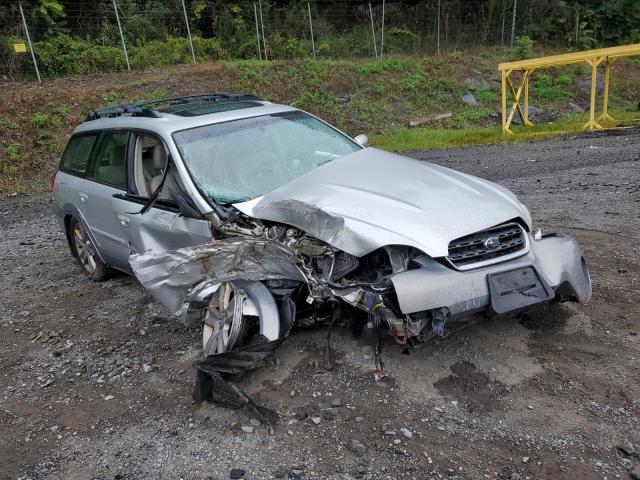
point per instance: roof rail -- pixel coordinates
(137, 109)
(207, 97)
(111, 112)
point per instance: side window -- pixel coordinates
(110, 160)
(149, 165)
(76, 155)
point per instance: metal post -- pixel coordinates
(26, 31)
(438, 28)
(264, 43)
(313, 43)
(504, 102)
(592, 105)
(255, 15)
(373, 32)
(186, 21)
(382, 40)
(513, 21)
(605, 95)
(124, 46)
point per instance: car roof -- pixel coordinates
(164, 122)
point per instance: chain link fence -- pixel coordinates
(116, 35)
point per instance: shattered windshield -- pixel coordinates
(243, 159)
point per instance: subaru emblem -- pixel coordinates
(492, 243)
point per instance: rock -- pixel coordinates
(477, 83)
(247, 428)
(627, 448)
(574, 107)
(397, 441)
(342, 98)
(359, 419)
(336, 403)
(525, 459)
(407, 433)
(296, 473)
(530, 407)
(534, 112)
(585, 85)
(108, 397)
(390, 433)
(516, 476)
(469, 99)
(635, 473)
(255, 422)
(146, 368)
(315, 420)
(443, 116)
(358, 448)
(236, 473)
(329, 413)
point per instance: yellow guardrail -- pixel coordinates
(601, 56)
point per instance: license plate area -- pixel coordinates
(516, 289)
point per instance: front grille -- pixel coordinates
(472, 249)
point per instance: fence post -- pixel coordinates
(26, 31)
(382, 39)
(186, 22)
(373, 32)
(513, 21)
(255, 15)
(124, 46)
(438, 28)
(313, 43)
(264, 43)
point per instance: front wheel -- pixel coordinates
(85, 252)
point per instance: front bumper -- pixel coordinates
(556, 257)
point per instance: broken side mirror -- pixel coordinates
(362, 140)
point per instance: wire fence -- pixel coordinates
(117, 35)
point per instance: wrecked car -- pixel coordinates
(246, 218)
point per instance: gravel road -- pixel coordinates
(96, 378)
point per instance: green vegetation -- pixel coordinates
(522, 48)
(40, 119)
(546, 88)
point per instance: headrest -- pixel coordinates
(159, 157)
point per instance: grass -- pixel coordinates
(406, 139)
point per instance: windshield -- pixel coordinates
(243, 159)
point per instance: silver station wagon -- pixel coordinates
(246, 218)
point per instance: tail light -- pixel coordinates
(53, 178)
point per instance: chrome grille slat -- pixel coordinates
(466, 251)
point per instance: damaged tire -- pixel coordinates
(85, 252)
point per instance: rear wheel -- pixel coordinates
(85, 252)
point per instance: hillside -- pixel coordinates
(380, 98)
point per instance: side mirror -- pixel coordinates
(362, 140)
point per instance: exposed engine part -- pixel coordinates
(438, 319)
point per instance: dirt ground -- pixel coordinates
(550, 394)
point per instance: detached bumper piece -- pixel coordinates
(214, 372)
(516, 289)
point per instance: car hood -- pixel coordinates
(372, 198)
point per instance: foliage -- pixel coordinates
(548, 89)
(40, 119)
(486, 95)
(522, 48)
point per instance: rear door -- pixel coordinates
(108, 176)
(165, 226)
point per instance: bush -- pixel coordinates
(547, 89)
(40, 119)
(522, 48)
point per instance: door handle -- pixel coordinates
(124, 220)
(83, 197)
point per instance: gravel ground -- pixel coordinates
(96, 379)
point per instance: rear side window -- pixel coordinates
(76, 155)
(110, 162)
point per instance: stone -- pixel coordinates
(336, 403)
(359, 419)
(296, 473)
(247, 428)
(146, 368)
(627, 448)
(108, 397)
(477, 83)
(358, 448)
(469, 99)
(236, 473)
(329, 413)
(315, 420)
(525, 459)
(635, 473)
(390, 433)
(342, 98)
(397, 441)
(574, 107)
(516, 476)
(407, 433)
(255, 422)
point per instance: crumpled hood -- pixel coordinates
(372, 198)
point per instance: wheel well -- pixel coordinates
(67, 232)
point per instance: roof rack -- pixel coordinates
(137, 109)
(111, 112)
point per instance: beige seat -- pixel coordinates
(158, 163)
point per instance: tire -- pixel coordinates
(85, 252)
